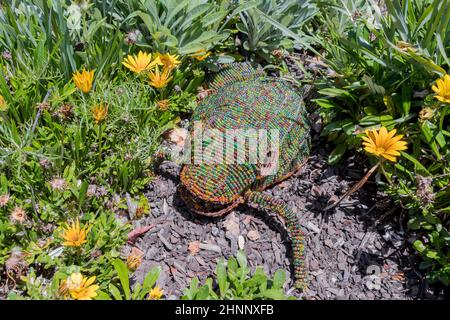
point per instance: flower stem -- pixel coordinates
(99, 137)
(385, 174)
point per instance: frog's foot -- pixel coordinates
(261, 200)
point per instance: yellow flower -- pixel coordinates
(74, 235)
(442, 89)
(201, 55)
(160, 80)
(99, 112)
(155, 294)
(140, 62)
(384, 144)
(134, 259)
(83, 80)
(163, 105)
(405, 46)
(3, 104)
(78, 287)
(168, 60)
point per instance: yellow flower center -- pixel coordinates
(74, 237)
(380, 150)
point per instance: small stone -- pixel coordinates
(241, 242)
(316, 191)
(231, 224)
(329, 243)
(370, 295)
(215, 231)
(253, 235)
(210, 247)
(311, 226)
(194, 247)
(200, 260)
(313, 264)
(173, 239)
(165, 242)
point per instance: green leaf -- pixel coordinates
(101, 295)
(414, 223)
(274, 294)
(202, 293)
(115, 292)
(122, 272)
(241, 258)
(406, 98)
(335, 92)
(150, 280)
(259, 279)
(137, 291)
(432, 254)
(82, 193)
(428, 135)
(303, 40)
(427, 63)
(324, 103)
(337, 153)
(418, 166)
(279, 278)
(373, 87)
(419, 246)
(221, 277)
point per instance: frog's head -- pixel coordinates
(214, 187)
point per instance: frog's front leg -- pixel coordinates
(261, 200)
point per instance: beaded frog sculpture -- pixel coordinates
(245, 98)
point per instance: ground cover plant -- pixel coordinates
(90, 89)
(390, 67)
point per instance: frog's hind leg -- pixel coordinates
(261, 200)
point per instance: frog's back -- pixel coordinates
(246, 106)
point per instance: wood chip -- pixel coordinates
(231, 224)
(241, 242)
(253, 235)
(311, 226)
(165, 242)
(135, 233)
(210, 247)
(194, 247)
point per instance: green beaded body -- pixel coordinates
(245, 99)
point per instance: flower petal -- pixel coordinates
(389, 157)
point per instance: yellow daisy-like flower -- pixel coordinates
(140, 62)
(442, 89)
(384, 144)
(159, 80)
(74, 235)
(3, 104)
(134, 259)
(163, 105)
(201, 55)
(155, 294)
(83, 80)
(99, 112)
(168, 60)
(78, 287)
